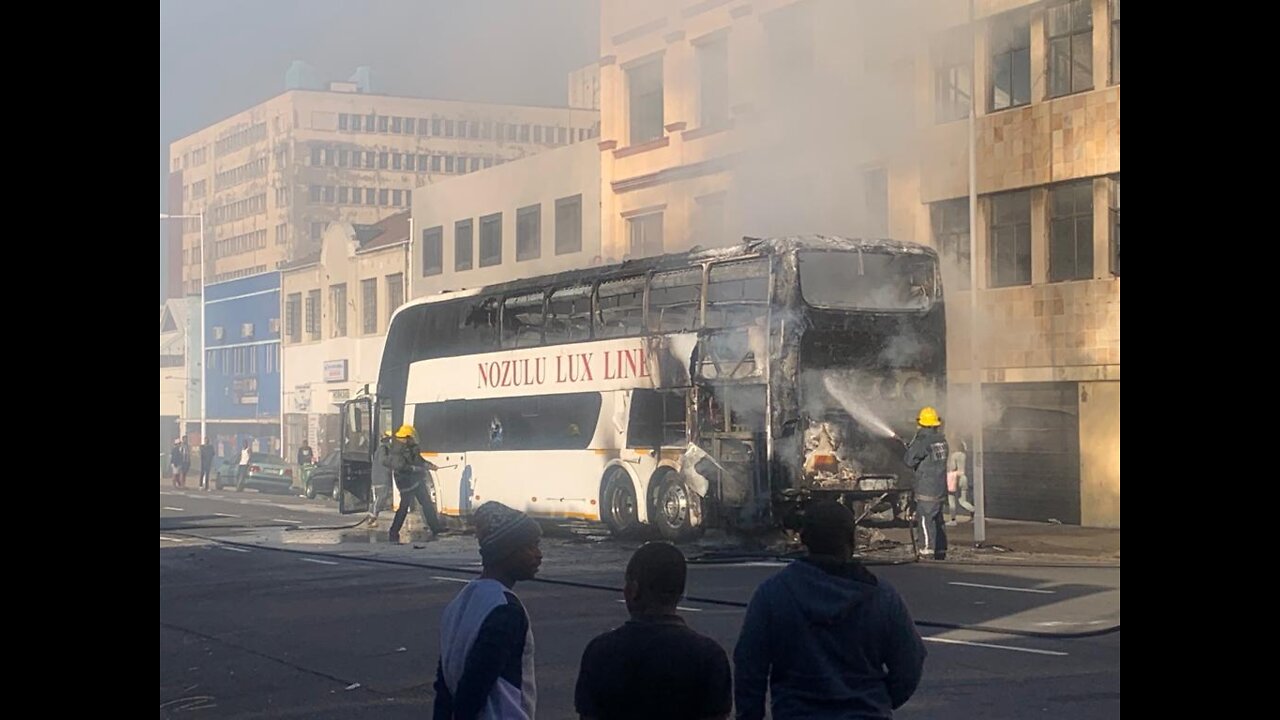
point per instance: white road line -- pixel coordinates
(319, 562)
(995, 647)
(760, 563)
(678, 607)
(232, 549)
(291, 522)
(166, 507)
(171, 539)
(449, 579)
(1001, 587)
(226, 515)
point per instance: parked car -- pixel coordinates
(267, 473)
(323, 479)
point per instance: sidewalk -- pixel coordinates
(1014, 537)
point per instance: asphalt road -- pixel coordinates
(271, 608)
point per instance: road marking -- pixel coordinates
(291, 522)
(171, 539)
(226, 515)
(1001, 587)
(166, 507)
(763, 563)
(319, 562)
(232, 549)
(678, 607)
(449, 579)
(1059, 623)
(1033, 651)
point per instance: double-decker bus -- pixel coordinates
(710, 388)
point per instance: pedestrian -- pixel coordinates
(184, 461)
(654, 649)
(305, 455)
(927, 456)
(826, 637)
(242, 470)
(175, 461)
(958, 482)
(409, 470)
(485, 669)
(206, 463)
(380, 478)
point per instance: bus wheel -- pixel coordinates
(618, 503)
(676, 509)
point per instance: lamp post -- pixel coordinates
(204, 434)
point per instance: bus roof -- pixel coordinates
(749, 247)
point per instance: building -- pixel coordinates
(179, 371)
(584, 87)
(728, 117)
(337, 303)
(269, 179)
(533, 217)
(242, 359)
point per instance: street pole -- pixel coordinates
(975, 372)
(204, 412)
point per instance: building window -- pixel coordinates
(382, 160)
(355, 123)
(491, 240)
(397, 125)
(329, 193)
(486, 130)
(435, 127)
(1115, 43)
(475, 164)
(448, 163)
(529, 233)
(462, 245)
(1114, 211)
(644, 92)
(282, 233)
(396, 162)
(408, 126)
(448, 128)
(344, 158)
(1010, 62)
(524, 133)
(713, 82)
(342, 121)
(950, 221)
(537, 133)
(370, 196)
(952, 80)
(433, 251)
(397, 197)
(395, 294)
(1071, 231)
(424, 126)
(369, 306)
(1011, 239)
(1070, 47)
(709, 221)
(317, 156)
(344, 195)
(645, 234)
(422, 163)
(876, 188)
(313, 315)
(313, 193)
(292, 324)
(384, 197)
(317, 231)
(370, 159)
(382, 123)
(338, 310)
(561, 136)
(435, 163)
(569, 225)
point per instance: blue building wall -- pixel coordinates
(242, 348)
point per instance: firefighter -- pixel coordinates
(408, 470)
(927, 456)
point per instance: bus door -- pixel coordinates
(442, 432)
(731, 428)
(358, 439)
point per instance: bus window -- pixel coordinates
(657, 419)
(737, 293)
(620, 303)
(522, 321)
(477, 327)
(569, 315)
(675, 300)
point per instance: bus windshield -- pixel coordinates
(867, 280)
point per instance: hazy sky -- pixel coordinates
(218, 57)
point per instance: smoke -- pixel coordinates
(856, 407)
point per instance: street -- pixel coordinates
(273, 607)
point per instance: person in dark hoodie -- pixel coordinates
(927, 456)
(825, 637)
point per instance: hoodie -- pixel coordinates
(831, 641)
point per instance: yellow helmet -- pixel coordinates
(405, 431)
(928, 417)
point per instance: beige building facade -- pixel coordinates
(271, 178)
(337, 304)
(729, 117)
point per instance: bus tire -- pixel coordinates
(676, 510)
(618, 506)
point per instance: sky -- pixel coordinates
(218, 57)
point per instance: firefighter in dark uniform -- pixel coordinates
(927, 456)
(409, 471)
